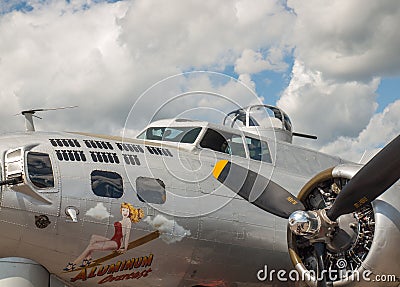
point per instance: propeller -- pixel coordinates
(374, 178)
(380, 173)
(319, 249)
(257, 189)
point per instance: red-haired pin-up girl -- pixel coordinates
(119, 242)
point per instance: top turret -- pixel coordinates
(263, 120)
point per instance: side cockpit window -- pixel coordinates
(40, 170)
(107, 184)
(223, 142)
(171, 134)
(258, 150)
(215, 141)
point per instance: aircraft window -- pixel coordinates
(64, 143)
(104, 145)
(235, 119)
(214, 140)
(130, 147)
(40, 170)
(137, 148)
(131, 159)
(154, 150)
(258, 150)
(151, 190)
(287, 122)
(107, 184)
(223, 142)
(190, 136)
(236, 146)
(65, 155)
(98, 144)
(172, 134)
(106, 157)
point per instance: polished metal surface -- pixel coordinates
(208, 234)
(20, 272)
(305, 223)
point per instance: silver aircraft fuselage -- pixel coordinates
(207, 235)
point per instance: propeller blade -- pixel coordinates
(319, 248)
(257, 189)
(380, 173)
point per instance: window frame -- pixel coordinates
(269, 161)
(163, 138)
(141, 183)
(103, 172)
(227, 139)
(29, 175)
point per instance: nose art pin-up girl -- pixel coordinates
(119, 241)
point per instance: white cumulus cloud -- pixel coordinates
(251, 62)
(348, 40)
(103, 56)
(381, 129)
(326, 107)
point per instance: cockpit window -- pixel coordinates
(258, 150)
(287, 122)
(214, 140)
(171, 134)
(40, 170)
(223, 142)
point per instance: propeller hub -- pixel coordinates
(345, 235)
(304, 223)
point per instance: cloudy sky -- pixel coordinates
(333, 66)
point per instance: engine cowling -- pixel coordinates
(364, 251)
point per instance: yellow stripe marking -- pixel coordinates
(219, 166)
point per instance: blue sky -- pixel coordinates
(338, 79)
(268, 84)
(8, 6)
(388, 92)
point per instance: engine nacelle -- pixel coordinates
(21, 272)
(365, 252)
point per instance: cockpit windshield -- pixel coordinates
(171, 134)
